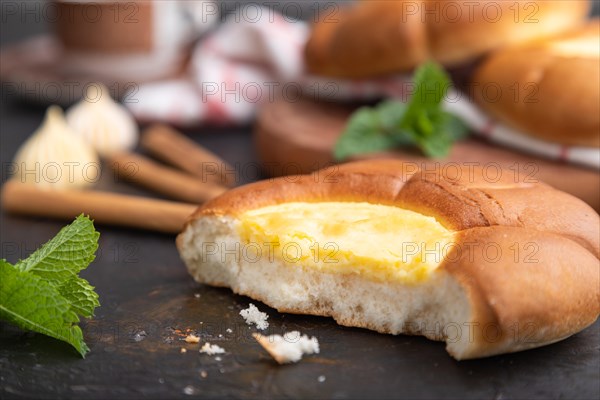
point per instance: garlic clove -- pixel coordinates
(102, 122)
(54, 157)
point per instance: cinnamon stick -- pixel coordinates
(164, 180)
(176, 149)
(103, 207)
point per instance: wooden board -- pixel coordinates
(299, 137)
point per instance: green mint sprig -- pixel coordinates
(44, 293)
(421, 122)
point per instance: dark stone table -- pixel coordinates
(149, 302)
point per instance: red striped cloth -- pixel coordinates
(241, 65)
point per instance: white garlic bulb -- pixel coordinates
(102, 122)
(54, 157)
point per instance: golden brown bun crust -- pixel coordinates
(372, 38)
(464, 199)
(525, 254)
(558, 96)
(538, 288)
(378, 37)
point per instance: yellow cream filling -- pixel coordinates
(377, 241)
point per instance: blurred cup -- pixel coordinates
(136, 40)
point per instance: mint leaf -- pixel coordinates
(43, 292)
(421, 122)
(70, 251)
(365, 135)
(30, 303)
(388, 112)
(80, 294)
(432, 129)
(431, 85)
(455, 128)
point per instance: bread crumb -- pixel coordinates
(288, 348)
(189, 390)
(139, 336)
(183, 350)
(211, 349)
(252, 316)
(191, 338)
(321, 378)
(203, 374)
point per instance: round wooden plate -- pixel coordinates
(298, 137)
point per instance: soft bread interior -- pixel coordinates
(436, 306)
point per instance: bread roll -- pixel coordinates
(379, 37)
(549, 89)
(522, 271)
